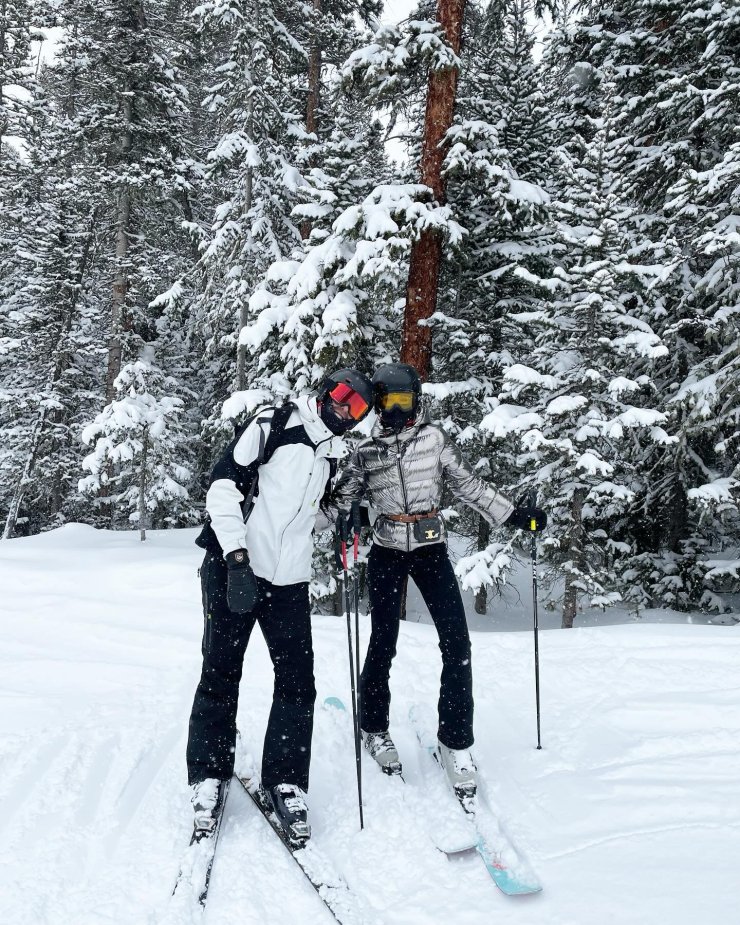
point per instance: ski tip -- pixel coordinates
(334, 703)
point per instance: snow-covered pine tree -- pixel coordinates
(136, 462)
(585, 392)
(259, 75)
(706, 203)
(19, 22)
(676, 71)
(46, 388)
(282, 181)
(124, 113)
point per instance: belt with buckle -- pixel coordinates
(410, 518)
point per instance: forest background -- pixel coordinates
(198, 215)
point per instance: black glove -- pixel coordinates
(527, 516)
(351, 521)
(242, 592)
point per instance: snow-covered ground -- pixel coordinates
(630, 814)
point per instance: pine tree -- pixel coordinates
(136, 461)
(676, 72)
(586, 392)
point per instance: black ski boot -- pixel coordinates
(289, 803)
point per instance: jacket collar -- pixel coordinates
(327, 443)
(408, 433)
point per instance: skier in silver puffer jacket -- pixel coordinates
(401, 470)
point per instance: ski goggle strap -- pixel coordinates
(345, 395)
(402, 400)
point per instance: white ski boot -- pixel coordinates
(207, 798)
(461, 771)
(381, 748)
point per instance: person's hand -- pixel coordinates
(349, 522)
(527, 516)
(242, 593)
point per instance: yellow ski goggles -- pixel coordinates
(402, 400)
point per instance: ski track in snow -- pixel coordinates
(629, 815)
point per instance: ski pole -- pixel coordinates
(533, 549)
(343, 530)
(356, 527)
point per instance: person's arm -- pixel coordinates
(350, 487)
(477, 494)
(231, 480)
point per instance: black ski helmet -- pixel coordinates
(359, 384)
(396, 378)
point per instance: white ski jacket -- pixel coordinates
(279, 532)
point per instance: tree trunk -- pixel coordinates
(314, 77)
(241, 349)
(121, 281)
(426, 253)
(120, 290)
(484, 537)
(314, 88)
(142, 486)
(576, 557)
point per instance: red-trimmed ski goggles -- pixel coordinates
(345, 395)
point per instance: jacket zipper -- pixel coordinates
(405, 496)
(300, 508)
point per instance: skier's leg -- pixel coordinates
(286, 626)
(435, 578)
(386, 573)
(212, 735)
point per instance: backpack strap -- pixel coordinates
(245, 477)
(278, 423)
(267, 447)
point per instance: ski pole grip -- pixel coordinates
(532, 503)
(343, 527)
(356, 519)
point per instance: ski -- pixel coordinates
(451, 835)
(330, 886)
(506, 865)
(194, 876)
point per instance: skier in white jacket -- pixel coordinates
(257, 570)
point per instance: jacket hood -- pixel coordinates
(328, 443)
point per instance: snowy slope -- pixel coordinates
(630, 814)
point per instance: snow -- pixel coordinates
(630, 814)
(525, 375)
(564, 404)
(590, 463)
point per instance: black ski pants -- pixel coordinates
(432, 572)
(285, 620)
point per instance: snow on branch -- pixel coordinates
(381, 67)
(313, 300)
(718, 492)
(487, 568)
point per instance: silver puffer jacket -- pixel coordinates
(405, 474)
